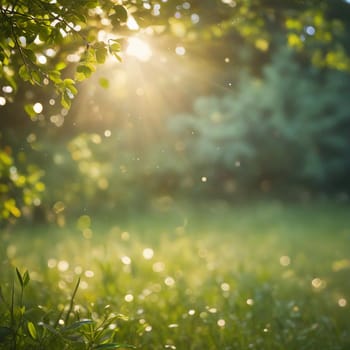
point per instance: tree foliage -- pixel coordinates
(40, 40)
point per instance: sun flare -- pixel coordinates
(139, 48)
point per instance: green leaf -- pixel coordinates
(89, 56)
(121, 13)
(117, 57)
(30, 37)
(51, 329)
(69, 85)
(101, 54)
(29, 53)
(30, 110)
(55, 76)
(84, 72)
(115, 47)
(19, 276)
(32, 330)
(77, 325)
(35, 78)
(80, 17)
(26, 278)
(68, 82)
(71, 91)
(23, 73)
(65, 101)
(79, 76)
(44, 33)
(11, 43)
(91, 4)
(60, 65)
(104, 83)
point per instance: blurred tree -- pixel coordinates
(271, 134)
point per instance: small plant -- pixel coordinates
(21, 328)
(15, 330)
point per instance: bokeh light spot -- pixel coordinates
(342, 302)
(63, 265)
(148, 253)
(221, 323)
(129, 298)
(89, 273)
(180, 50)
(125, 260)
(51, 263)
(2, 101)
(225, 287)
(318, 283)
(284, 260)
(169, 281)
(38, 107)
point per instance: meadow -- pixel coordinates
(265, 276)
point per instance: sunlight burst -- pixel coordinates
(139, 49)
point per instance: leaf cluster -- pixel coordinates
(21, 184)
(37, 36)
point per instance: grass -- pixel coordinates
(210, 276)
